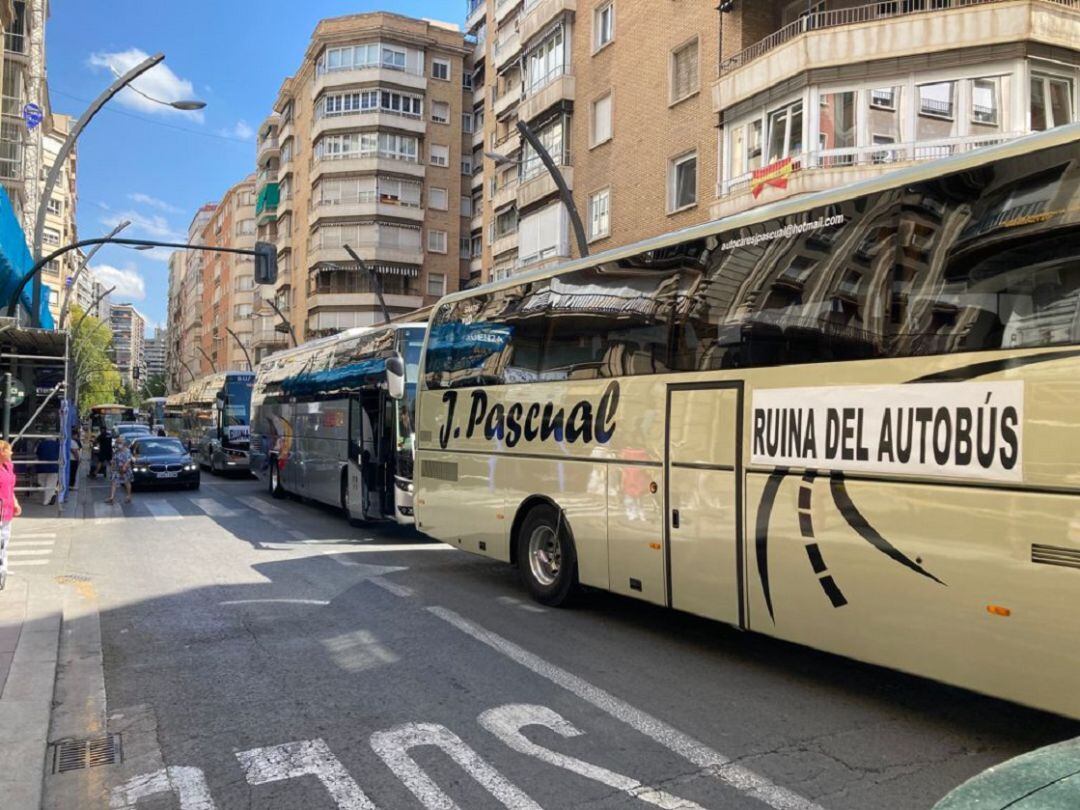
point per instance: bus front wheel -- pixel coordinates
(276, 489)
(546, 556)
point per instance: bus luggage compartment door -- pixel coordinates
(703, 533)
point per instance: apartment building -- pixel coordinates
(228, 282)
(183, 360)
(128, 342)
(89, 293)
(60, 212)
(617, 92)
(813, 96)
(154, 353)
(365, 148)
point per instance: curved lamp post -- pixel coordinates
(69, 143)
(284, 320)
(78, 271)
(209, 359)
(243, 348)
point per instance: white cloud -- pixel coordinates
(154, 225)
(157, 254)
(127, 280)
(153, 202)
(241, 129)
(159, 82)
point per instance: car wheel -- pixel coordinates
(276, 489)
(546, 558)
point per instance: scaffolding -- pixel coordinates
(37, 417)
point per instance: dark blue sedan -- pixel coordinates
(160, 461)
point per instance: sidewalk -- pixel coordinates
(30, 620)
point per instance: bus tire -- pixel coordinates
(276, 489)
(546, 558)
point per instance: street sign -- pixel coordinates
(32, 114)
(18, 393)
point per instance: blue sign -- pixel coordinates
(32, 114)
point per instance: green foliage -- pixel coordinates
(96, 375)
(154, 386)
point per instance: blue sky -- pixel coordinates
(156, 166)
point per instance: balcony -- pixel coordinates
(370, 251)
(477, 11)
(506, 47)
(479, 51)
(373, 119)
(539, 13)
(362, 300)
(476, 266)
(478, 94)
(477, 222)
(508, 144)
(557, 86)
(376, 74)
(267, 201)
(505, 194)
(283, 242)
(890, 30)
(477, 177)
(365, 165)
(478, 138)
(503, 9)
(540, 185)
(501, 244)
(364, 209)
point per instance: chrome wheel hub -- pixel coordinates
(545, 555)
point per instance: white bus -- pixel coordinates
(333, 421)
(849, 420)
(214, 419)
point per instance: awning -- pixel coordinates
(382, 269)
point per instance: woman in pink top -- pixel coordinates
(9, 506)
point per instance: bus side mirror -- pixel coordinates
(395, 377)
(265, 263)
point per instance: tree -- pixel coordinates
(96, 376)
(154, 386)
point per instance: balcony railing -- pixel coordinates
(835, 18)
(534, 85)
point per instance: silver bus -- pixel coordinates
(333, 421)
(214, 419)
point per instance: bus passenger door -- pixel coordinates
(359, 439)
(703, 537)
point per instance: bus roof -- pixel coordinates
(204, 389)
(920, 172)
(112, 406)
(331, 340)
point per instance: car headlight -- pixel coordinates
(190, 467)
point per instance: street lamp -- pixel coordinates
(556, 175)
(243, 348)
(69, 143)
(81, 267)
(284, 321)
(376, 282)
(209, 359)
(186, 105)
(187, 368)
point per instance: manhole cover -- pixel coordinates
(75, 755)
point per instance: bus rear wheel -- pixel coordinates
(276, 489)
(546, 556)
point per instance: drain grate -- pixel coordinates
(65, 579)
(75, 755)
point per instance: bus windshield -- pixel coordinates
(237, 411)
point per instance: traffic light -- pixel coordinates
(265, 263)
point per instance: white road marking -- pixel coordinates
(21, 563)
(277, 601)
(260, 505)
(358, 651)
(506, 722)
(38, 535)
(392, 587)
(398, 547)
(213, 508)
(393, 746)
(739, 777)
(163, 510)
(20, 542)
(30, 552)
(509, 600)
(296, 534)
(189, 785)
(306, 757)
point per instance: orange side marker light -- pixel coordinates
(654, 546)
(998, 610)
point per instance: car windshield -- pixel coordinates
(132, 429)
(153, 447)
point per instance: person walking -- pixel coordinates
(75, 454)
(9, 506)
(48, 453)
(104, 451)
(121, 472)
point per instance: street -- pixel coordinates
(264, 653)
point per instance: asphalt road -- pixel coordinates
(262, 653)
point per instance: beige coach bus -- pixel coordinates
(849, 420)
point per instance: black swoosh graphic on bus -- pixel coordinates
(861, 525)
(994, 366)
(813, 550)
(761, 533)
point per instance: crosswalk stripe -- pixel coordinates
(18, 541)
(213, 508)
(162, 510)
(37, 535)
(259, 505)
(30, 552)
(21, 563)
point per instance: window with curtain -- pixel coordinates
(601, 119)
(684, 70)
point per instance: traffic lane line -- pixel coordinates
(710, 762)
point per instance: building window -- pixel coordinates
(684, 71)
(985, 105)
(374, 100)
(440, 69)
(466, 166)
(936, 111)
(51, 236)
(1051, 102)
(465, 246)
(682, 192)
(436, 284)
(245, 227)
(603, 25)
(393, 58)
(467, 81)
(785, 132)
(551, 135)
(466, 122)
(440, 112)
(244, 283)
(601, 120)
(546, 61)
(437, 198)
(466, 206)
(242, 311)
(599, 214)
(439, 155)
(436, 241)
(55, 206)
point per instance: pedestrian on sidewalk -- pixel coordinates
(121, 472)
(73, 461)
(104, 452)
(9, 506)
(48, 453)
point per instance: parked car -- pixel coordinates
(162, 461)
(130, 430)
